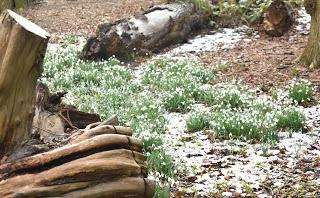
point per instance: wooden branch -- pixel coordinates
(22, 48)
(110, 173)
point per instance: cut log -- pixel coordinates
(156, 28)
(277, 18)
(22, 48)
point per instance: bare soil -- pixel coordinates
(264, 62)
(81, 17)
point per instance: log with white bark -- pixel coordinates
(158, 27)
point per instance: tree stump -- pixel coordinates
(277, 18)
(158, 27)
(22, 48)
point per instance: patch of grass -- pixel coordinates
(168, 76)
(227, 96)
(301, 91)
(220, 68)
(145, 115)
(291, 119)
(159, 161)
(70, 39)
(152, 143)
(142, 99)
(198, 121)
(222, 187)
(248, 188)
(257, 118)
(177, 101)
(162, 192)
(204, 4)
(239, 12)
(249, 123)
(231, 98)
(300, 189)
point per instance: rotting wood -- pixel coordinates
(57, 158)
(158, 27)
(22, 48)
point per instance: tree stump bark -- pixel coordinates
(22, 48)
(156, 28)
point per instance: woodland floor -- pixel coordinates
(264, 62)
(81, 17)
(256, 59)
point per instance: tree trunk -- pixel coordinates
(156, 28)
(311, 54)
(22, 48)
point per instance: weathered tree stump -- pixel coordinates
(22, 48)
(54, 154)
(277, 18)
(156, 28)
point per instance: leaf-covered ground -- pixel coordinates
(81, 17)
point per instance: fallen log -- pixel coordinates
(158, 27)
(54, 153)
